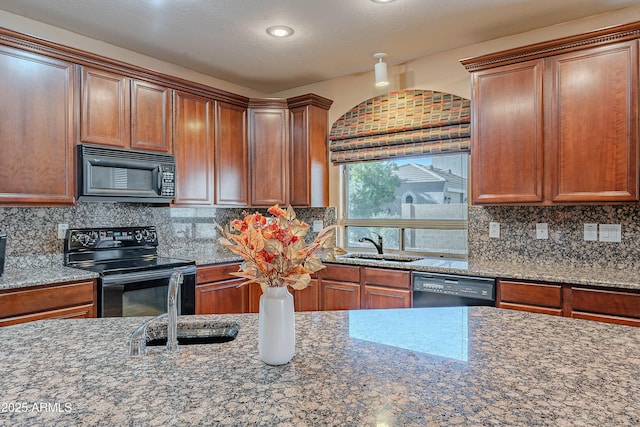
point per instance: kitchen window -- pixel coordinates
(417, 204)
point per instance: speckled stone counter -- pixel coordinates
(537, 271)
(34, 276)
(412, 367)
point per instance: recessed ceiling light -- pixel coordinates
(383, 1)
(279, 31)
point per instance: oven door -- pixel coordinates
(144, 293)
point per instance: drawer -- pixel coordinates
(216, 273)
(537, 294)
(342, 273)
(614, 303)
(26, 301)
(387, 278)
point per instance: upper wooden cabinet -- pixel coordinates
(193, 148)
(309, 162)
(269, 152)
(557, 129)
(231, 155)
(592, 99)
(126, 113)
(507, 134)
(36, 129)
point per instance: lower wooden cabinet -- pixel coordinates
(55, 301)
(532, 297)
(386, 288)
(218, 292)
(604, 305)
(339, 295)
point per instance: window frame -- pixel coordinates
(400, 224)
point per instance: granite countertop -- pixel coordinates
(42, 275)
(409, 367)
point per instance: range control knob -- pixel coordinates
(138, 235)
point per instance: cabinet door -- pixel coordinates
(36, 129)
(151, 127)
(222, 297)
(307, 299)
(231, 155)
(606, 306)
(57, 301)
(532, 297)
(593, 124)
(269, 156)
(193, 149)
(106, 108)
(507, 139)
(381, 297)
(339, 295)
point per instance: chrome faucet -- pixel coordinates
(377, 245)
(172, 310)
(138, 339)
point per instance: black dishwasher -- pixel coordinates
(450, 290)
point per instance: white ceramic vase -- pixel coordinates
(276, 326)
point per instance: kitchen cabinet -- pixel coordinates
(269, 152)
(123, 112)
(610, 305)
(532, 297)
(303, 300)
(507, 135)
(193, 149)
(231, 155)
(340, 287)
(217, 292)
(55, 301)
(556, 129)
(36, 129)
(309, 161)
(386, 288)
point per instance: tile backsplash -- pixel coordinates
(566, 244)
(32, 232)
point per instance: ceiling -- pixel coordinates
(227, 39)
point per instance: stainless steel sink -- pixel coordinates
(195, 332)
(383, 257)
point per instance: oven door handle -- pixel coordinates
(140, 276)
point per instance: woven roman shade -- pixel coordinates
(399, 124)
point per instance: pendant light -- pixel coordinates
(382, 78)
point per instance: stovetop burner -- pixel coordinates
(116, 250)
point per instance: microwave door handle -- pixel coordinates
(160, 180)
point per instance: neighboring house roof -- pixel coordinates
(415, 173)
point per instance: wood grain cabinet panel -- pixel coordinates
(507, 142)
(383, 297)
(106, 108)
(151, 117)
(593, 124)
(557, 122)
(193, 149)
(231, 155)
(218, 292)
(533, 297)
(342, 273)
(309, 183)
(64, 300)
(387, 277)
(36, 129)
(339, 295)
(269, 155)
(606, 306)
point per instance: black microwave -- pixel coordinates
(115, 175)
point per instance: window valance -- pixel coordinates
(404, 123)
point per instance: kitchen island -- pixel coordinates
(436, 366)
